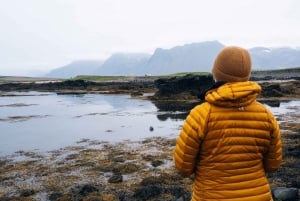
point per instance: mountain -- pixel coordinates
(123, 64)
(194, 57)
(81, 67)
(270, 58)
(199, 57)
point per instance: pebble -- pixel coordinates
(285, 194)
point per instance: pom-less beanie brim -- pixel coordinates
(220, 76)
(233, 64)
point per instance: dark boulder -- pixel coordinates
(147, 192)
(280, 89)
(116, 178)
(183, 86)
(190, 86)
(271, 90)
(85, 189)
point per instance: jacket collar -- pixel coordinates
(233, 94)
(216, 85)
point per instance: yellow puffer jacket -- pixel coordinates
(230, 141)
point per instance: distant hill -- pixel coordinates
(194, 57)
(81, 67)
(123, 64)
(272, 58)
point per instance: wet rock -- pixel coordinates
(295, 183)
(271, 90)
(85, 189)
(148, 181)
(79, 87)
(125, 168)
(163, 184)
(272, 103)
(97, 198)
(189, 85)
(55, 196)
(180, 199)
(27, 192)
(147, 192)
(116, 178)
(176, 191)
(126, 195)
(156, 163)
(136, 93)
(175, 116)
(153, 184)
(118, 159)
(148, 157)
(162, 179)
(151, 128)
(285, 194)
(279, 89)
(104, 197)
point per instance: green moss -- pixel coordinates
(99, 78)
(277, 71)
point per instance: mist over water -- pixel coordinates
(34, 121)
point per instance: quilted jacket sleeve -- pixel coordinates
(190, 138)
(273, 158)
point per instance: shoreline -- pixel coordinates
(125, 170)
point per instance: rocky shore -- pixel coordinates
(186, 87)
(135, 171)
(129, 170)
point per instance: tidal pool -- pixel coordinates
(37, 121)
(34, 121)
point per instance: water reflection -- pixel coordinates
(55, 121)
(271, 103)
(182, 106)
(174, 116)
(175, 110)
(47, 121)
(178, 110)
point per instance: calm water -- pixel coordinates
(35, 121)
(46, 121)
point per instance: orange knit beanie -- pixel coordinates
(233, 64)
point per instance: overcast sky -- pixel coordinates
(46, 34)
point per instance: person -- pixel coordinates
(230, 140)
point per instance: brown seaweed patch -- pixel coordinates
(18, 105)
(125, 170)
(13, 119)
(92, 114)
